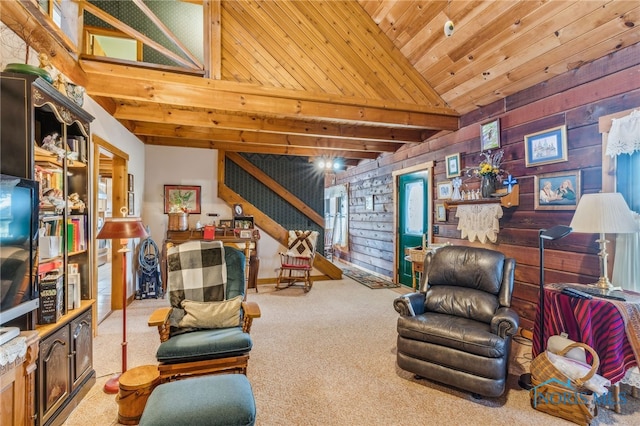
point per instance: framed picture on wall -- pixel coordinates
(452, 164)
(181, 198)
(557, 191)
(440, 213)
(546, 147)
(445, 189)
(130, 204)
(130, 182)
(490, 135)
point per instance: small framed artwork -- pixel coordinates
(130, 183)
(238, 210)
(452, 163)
(557, 191)
(490, 135)
(441, 213)
(445, 190)
(130, 204)
(368, 202)
(246, 233)
(181, 198)
(225, 223)
(546, 147)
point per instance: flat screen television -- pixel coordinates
(19, 201)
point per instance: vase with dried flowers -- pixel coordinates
(489, 170)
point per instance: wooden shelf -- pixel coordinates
(512, 199)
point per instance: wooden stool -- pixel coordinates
(135, 387)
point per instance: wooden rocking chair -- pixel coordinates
(296, 263)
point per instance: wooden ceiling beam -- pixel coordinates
(260, 138)
(197, 92)
(259, 149)
(209, 118)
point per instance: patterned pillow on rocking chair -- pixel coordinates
(302, 243)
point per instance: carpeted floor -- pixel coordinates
(368, 279)
(327, 357)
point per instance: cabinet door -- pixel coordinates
(54, 372)
(82, 348)
(15, 137)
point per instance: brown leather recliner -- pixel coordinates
(457, 329)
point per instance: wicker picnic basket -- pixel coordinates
(556, 394)
(417, 254)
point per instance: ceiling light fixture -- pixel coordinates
(329, 164)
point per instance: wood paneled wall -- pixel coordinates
(575, 99)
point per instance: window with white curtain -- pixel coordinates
(623, 144)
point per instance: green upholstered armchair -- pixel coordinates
(457, 329)
(206, 328)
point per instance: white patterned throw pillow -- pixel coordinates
(302, 243)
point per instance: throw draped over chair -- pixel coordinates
(297, 263)
(457, 329)
(206, 328)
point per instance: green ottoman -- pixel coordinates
(216, 400)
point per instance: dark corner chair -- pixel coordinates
(457, 329)
(211, 334)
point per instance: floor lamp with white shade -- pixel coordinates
(553, 233)
(122, 228)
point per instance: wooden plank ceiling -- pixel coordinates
(352, 79)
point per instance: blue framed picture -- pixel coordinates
(557, 191)
(546, 147)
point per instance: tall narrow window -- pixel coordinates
(622, 146)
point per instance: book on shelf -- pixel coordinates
(51, 297)
(78, 145)
(76, 233)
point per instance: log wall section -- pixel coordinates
(575, 99)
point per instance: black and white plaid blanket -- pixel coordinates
(196, 271)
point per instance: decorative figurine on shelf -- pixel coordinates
(456, 183)
(59, 80)
(52, 143)
(54, 197)
(76, 202)
(75, 93)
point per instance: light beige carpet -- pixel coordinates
(327, 357)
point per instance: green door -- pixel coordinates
(413, 219)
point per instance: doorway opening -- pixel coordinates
(110, 186)
(414, 213)
(103, 252)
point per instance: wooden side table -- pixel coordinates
(416, 268)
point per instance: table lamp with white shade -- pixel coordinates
(603, 213)
(122, 228)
